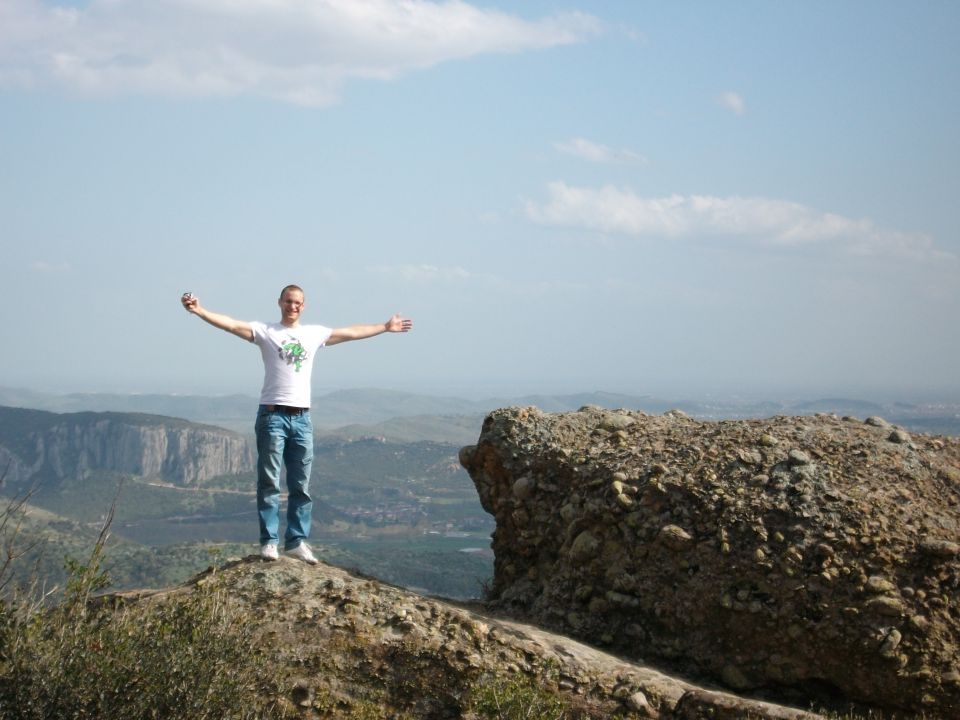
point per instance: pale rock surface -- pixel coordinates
(52, 447)
(342, 642)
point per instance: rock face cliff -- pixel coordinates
(811, 557)
(53, 447)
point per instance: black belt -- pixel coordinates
(286, 409)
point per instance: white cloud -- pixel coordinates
(523, 285)
(633, 34)
(756, 220)
(423, 272)
(734, 102)
(299, 51)
(46, 267)
(594, 152)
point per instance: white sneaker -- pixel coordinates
(269, 552)
(302, 552)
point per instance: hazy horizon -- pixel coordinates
(680, 199)
(785, 396)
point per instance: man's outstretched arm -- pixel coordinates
(238, 327)
(359, 332)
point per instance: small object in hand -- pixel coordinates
(188, 296)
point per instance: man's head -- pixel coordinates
(288, 288)
(291, 304)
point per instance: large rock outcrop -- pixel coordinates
(53, 447)
(815, 557)
(353, 647)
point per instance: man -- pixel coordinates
(284, 430)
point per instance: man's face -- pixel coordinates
(291, 304)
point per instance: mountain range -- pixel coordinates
(397, 415)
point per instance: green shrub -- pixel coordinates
(186, 655)
(516, 699)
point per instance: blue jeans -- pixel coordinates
(286, 438)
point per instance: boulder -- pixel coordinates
(794, 555)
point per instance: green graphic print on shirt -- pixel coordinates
(294, 353)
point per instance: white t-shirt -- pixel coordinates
(288, 361)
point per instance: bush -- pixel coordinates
(516, 699)
(186, 655)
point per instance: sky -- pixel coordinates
(684, 199)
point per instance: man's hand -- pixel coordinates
(398, 324)
(190, 303)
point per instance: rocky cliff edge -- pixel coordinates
(53, 447)
(811, 558)
(344, 644)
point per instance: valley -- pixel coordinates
(390, 498)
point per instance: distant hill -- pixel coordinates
(49, 448)
(453, 429)
(841, 406)
(339, 409)
(234, 412)
(403, 416)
